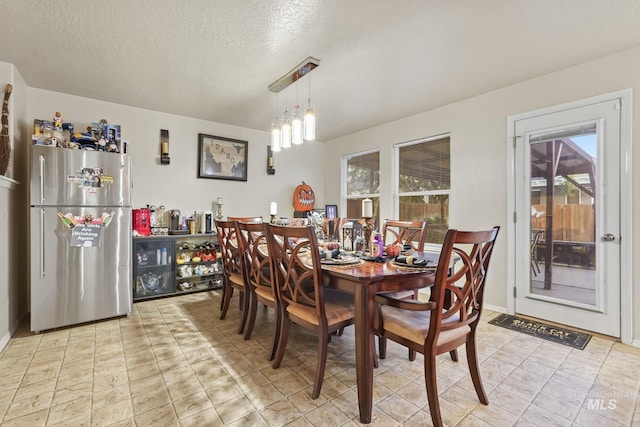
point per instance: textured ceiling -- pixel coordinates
(380, 59)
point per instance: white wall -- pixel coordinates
(13, 224)
(176, 185)
(479, 148)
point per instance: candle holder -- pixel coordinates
(273, 219)
(367, 231)
(219, 216)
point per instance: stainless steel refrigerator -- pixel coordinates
(80, 235)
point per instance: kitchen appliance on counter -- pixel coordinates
(80, 236)
(206, 222)
(175, 222)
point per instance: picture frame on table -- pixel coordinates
(331, 211)
(222, 158)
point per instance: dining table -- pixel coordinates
(364, 279)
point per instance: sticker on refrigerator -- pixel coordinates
(86, 235)
(86, 231)
(70, 220)
(90, 178)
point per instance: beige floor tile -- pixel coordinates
(208, 417)
(145, 384)
(83, 420)
(173, 362)
(109, 381)
(326, 415)
(120, 412)
(70, 409)
(280, 412)
(111, 396)
(253, 419)
(71, 392)
(184, 388)
(28, 405)
(542, 417)
(192, 404)
(150, 400)
(35, 389)
(398, 408)
(33, 419)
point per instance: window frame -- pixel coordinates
(344, 196)
(396, 173)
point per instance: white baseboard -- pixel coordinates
(635, 343)
(5, 339)
(495, 308)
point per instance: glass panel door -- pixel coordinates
(563, 214)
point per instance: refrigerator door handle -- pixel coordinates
(42, 243)
(41, 179)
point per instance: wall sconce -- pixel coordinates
(271, 170)
(164, 147)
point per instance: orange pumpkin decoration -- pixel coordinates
(303, 198)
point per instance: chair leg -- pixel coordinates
(454, 355)
(472, 360)
(276, 335)
(253, 309)
(323, 344)
(412, 355)
(432, 388)
(244, 306)
(226, 300)
(282, 341)
(382, 347)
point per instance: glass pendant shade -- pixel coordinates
(309, 122)
(285, 130)
(275, 136)
(296, 126)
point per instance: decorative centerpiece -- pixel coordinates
(367, 227)
(5, 146)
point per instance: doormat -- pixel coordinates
(545, 331)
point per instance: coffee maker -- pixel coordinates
(174, 220)
(206, 222)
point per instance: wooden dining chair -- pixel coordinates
(446, 322)
(535, 240)
(245, 218)
(395, 232)
(256, 268)
(302, 297)
(331, 229)
(233, 278)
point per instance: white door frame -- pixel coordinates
(625, 96)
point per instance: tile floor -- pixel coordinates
(172, 362)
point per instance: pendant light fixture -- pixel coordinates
(296, 126)
(275, 131)
(299, 125)
(285, 131)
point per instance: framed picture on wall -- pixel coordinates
(222, 158)
(331, 211)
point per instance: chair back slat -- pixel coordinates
(296, 266)
(245, 218)
(228, 242)
(252, 242)
(459, 293)
(412, 233)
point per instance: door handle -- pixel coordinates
(608, 237)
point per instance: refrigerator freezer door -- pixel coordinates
(79, 177)
(80, 265)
